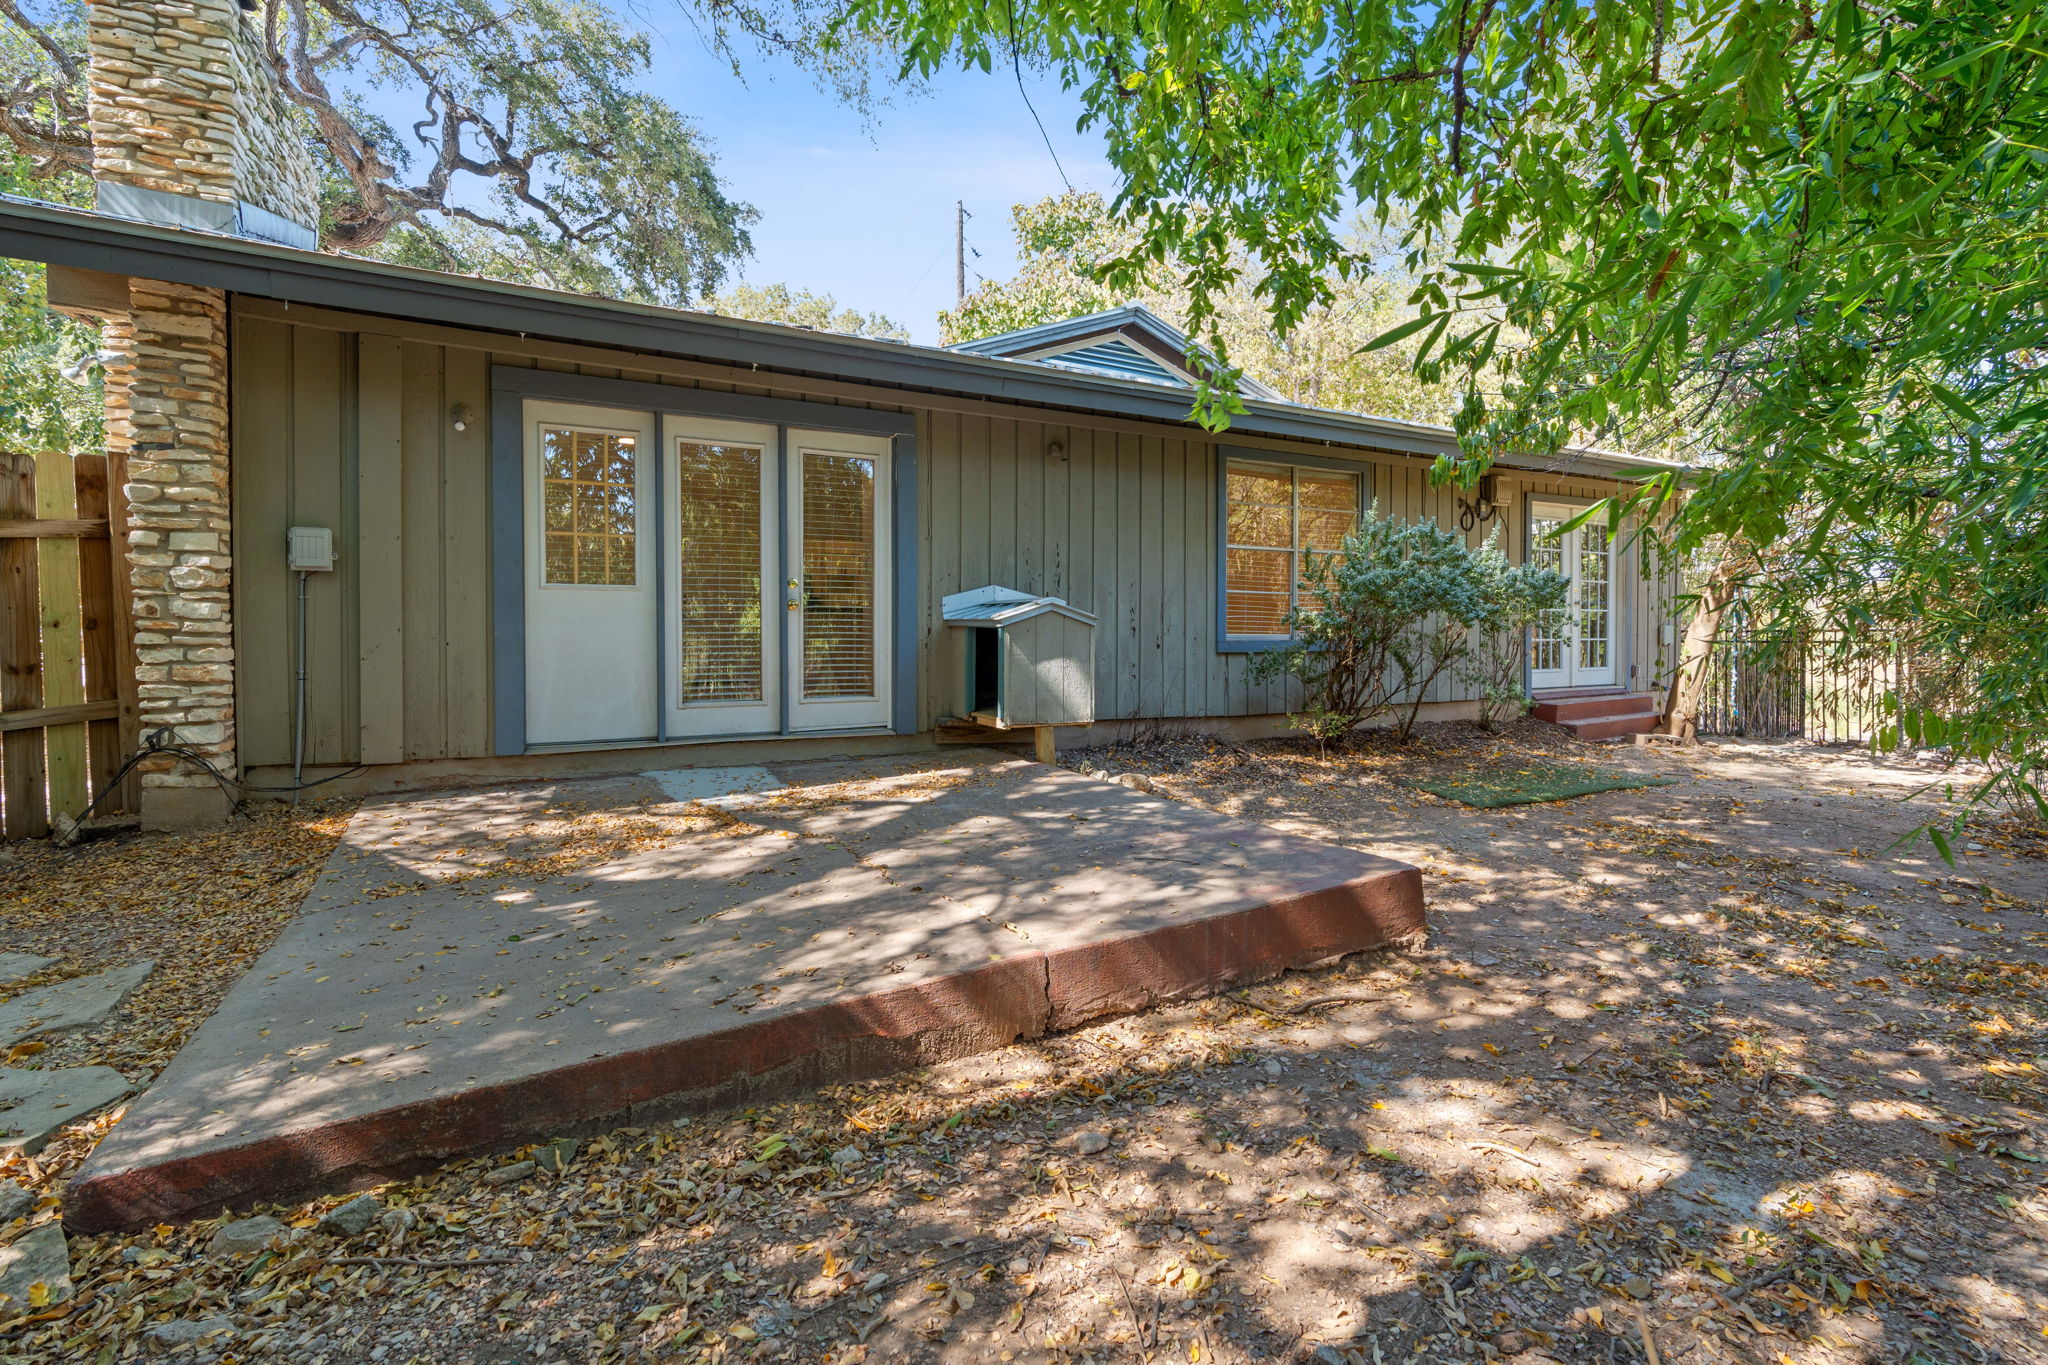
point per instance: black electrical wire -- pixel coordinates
(308, 786)
(162, 741)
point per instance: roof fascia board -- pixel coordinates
(92, 241)
(674, 400)
(1068, 329)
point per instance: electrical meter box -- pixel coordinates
(309, 549)
(1020, 660)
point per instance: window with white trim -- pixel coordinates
(1273, 513)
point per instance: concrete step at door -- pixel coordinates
(1594, 707)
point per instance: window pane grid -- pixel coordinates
(1547, 636)
(589, 508)
(1272, 515)
(1595, 562)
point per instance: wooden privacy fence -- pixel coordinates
(67, 678)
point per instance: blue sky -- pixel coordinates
(865, 213)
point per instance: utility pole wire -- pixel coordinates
(960, 216)
(1017, 69)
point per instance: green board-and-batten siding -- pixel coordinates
(348, 422)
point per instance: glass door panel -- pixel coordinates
(724, 508)
(1573, 646)
(837, 603)
(1593, 593)
(1550, 637)
(838, 577)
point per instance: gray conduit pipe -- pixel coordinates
(299, 709)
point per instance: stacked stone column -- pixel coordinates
(187, 127)
(167, 422)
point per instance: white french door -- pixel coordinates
(590, 586)
(753, 601)
(777, 582)
(724, 516)
(1574, 645)
(836, 611)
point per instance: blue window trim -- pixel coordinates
(1226, 643)
(512, 386)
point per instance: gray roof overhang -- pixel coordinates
(84, 239)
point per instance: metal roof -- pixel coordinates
(86, 239)
(1000, 606)
(1031, 344)
(1114, 356)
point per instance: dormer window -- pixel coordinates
(1128, 343)
(1118, 359)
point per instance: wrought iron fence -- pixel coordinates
(1819, 686)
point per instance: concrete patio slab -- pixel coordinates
(723, 788)
(481, 968)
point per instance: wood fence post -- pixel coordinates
(63, 649)
(123, 617)
(21, 658)
(107, 652)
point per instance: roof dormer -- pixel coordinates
(1131, 342)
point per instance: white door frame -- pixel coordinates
(838, 713)
(704, 719)
(604, 662)
(1570, 645)
(569, 627)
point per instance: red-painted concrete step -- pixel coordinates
(1607, 727)
(1596, 707)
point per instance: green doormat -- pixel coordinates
(1495, 785)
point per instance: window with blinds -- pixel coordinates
(718, 497)
(589, 507)
(1272, 514)
(838, 562)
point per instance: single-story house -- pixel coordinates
(532, 528)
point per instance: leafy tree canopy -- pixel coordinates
(528, 148)
(49, 366)
(1068, 243)
(802, 308)
(1797, 240)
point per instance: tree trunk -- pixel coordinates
(1696, 649)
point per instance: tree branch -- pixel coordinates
(43, 40)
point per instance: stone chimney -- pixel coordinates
(188, 131)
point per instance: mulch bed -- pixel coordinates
(1692, 1069)
(1490, 786)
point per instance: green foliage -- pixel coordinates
(583, 179)
(1067, 243)
(1383, 618)
(1797, 242)
(802, 308)
(529, 147)
(1516, 597)
(50, 379)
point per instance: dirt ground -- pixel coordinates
(1695, 1073)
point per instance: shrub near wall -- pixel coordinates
(1396, 607)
